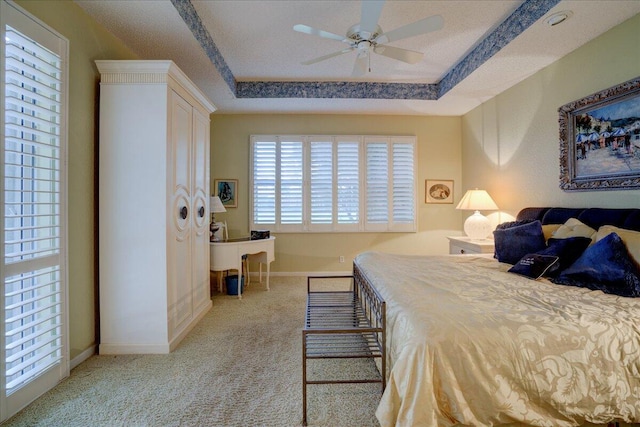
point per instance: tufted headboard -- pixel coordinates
(593, 217)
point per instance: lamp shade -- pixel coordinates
(477, 200)
(215, 205)
(477, 226)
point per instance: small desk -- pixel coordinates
(227, 255)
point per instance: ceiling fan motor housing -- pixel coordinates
(356, 35)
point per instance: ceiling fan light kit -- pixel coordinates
(367, 36)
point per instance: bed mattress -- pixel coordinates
(469, 343)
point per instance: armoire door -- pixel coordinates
(201, 286)
(179, 262)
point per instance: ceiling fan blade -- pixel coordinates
(331, 55)
(431, 23)
(301, 28)
(404, 55)
(361, 64)
(370, 15)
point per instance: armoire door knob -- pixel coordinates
(201, 211)
(183, 212)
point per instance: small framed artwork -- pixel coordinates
(227, 190)
(438, 191)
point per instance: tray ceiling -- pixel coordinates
(246, 57)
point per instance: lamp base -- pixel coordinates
(213, 228)
(477, 226)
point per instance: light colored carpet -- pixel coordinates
(240, 366)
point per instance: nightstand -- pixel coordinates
(464, 245)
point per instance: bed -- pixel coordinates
(471, 343)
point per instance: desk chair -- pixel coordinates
(223, 234)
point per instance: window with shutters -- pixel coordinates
(322, 183)
(33, 244)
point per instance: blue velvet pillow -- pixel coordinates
(534, 265)
(513, 243)
(567, 250)
(606, 266)
(510, 224)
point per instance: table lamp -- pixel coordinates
(215, 206)
(477, 226)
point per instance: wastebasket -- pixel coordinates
(232, 284)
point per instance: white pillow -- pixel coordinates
(574, 228)
(549, 229)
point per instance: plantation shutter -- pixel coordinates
(32, 203)
(324, 183)
(321, 184)
(264, 181)
(403, 186)
(378, 191)
(35, 352)
(291, 184)
(348, 185)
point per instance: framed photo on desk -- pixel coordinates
(227, 190)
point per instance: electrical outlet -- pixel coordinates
(341, 258)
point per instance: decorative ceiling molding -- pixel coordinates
(515, 24)
(190, 17)
(351, 90)
(521, 19)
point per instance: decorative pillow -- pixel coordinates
(567, 250)
(606, 266)
(514, 242)
(511, 224)
(534, 265)
(574, 228)
(630, 238)
(549, 229)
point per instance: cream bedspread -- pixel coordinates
(470, 344)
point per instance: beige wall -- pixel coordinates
(438, 158)
(510, 144)
(87, 42)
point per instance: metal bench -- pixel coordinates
(343, 325)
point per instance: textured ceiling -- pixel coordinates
(246, 57)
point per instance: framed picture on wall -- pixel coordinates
(600, 140)
(438, 191)
(227, 190)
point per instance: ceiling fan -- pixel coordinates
(367, 37)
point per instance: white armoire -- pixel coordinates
(153, 206)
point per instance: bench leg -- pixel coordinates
(304, 379)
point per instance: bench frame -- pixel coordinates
(343, 325)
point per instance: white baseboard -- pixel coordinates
(159, 347)
(83, 356)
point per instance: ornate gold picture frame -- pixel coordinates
(600, 140)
